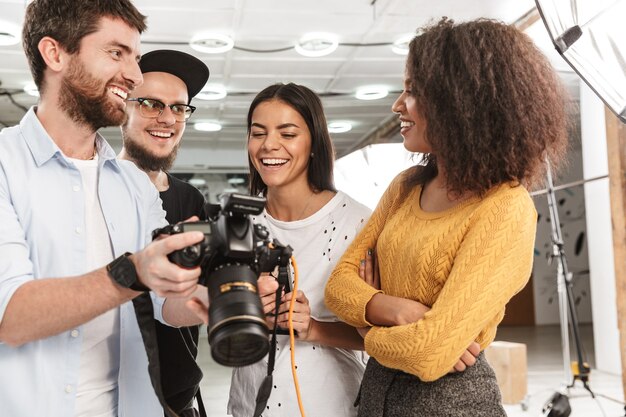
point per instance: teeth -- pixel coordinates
(161, 134)
(274, 161)
(119, 92)
(406, 124)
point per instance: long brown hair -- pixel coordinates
(309, 106)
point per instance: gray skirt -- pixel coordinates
(388, 392)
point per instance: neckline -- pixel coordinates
(313, 218)
(93, 162)
(416, 197)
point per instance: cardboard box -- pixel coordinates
(508, 360)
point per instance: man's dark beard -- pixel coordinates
(144, 159)
(85, 100)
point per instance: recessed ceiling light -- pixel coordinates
(197, 182)
(230, 190)
(316, 44)
(372, 92)
(236, 180)
(31, 89)
(213, 43)
(9, 33)
(401, 45)
(212, 92)
(207, 126)
(339, 127)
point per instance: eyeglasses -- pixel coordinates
(153, 108)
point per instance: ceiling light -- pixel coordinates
(207, 126)
(31, 89)
(401, 45)
(212, 92)
(230, 190)
(339, 127)
(317, 44)
(372, 92)
(9, 33)
(197, 182)
(213, 43)
(236, 180)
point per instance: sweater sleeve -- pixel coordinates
(346, 294)
(493, 263)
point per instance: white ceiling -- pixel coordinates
(272, 24)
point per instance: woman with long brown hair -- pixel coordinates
(291, 156)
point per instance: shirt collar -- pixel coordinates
(43, 147)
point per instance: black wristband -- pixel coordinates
(122, 271)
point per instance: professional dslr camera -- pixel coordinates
(232, 255)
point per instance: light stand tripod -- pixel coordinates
(566, 301)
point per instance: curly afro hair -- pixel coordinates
(494, 107)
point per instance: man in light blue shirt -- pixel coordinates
(69, 340)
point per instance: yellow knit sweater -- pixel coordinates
(465, 263)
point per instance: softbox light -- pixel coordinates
(590, 35)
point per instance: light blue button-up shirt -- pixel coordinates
(41, 215)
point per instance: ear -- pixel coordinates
(52, 53)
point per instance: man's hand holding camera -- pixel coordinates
(165, 278)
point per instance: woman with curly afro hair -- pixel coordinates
(451, 240)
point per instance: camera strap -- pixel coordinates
(263, 395)
(144, 311)
(145, 320)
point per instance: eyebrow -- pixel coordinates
(163, 102)
(286, 125)
(283, 126)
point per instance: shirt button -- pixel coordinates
(78, 230)
(68, 388)
(74, 333)
(76, 188)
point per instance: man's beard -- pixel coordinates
(145, 160)
(85, 99)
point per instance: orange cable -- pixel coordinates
(292, 335)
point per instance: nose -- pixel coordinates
(398, 105)
(132, 73)
(166, 117)
(271, 141)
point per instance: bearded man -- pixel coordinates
(70, 216)
(158, 111)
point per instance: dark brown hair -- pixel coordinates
(69, 21)
(493, 105)
(309, 106)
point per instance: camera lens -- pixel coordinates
(238, 333)
(239, 344)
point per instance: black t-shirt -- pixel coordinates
(181, 201)
(178, 348)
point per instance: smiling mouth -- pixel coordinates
(119, 92)
(160, 135)
(273, 162)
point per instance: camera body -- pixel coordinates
(232, 255)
